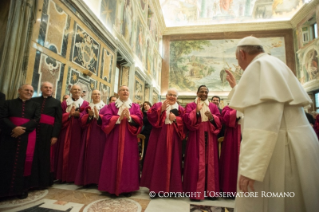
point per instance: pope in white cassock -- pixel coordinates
(279, 151)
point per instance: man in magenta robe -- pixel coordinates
(201, 175)
(162, 170)
(122, 122)
(68, 147)
(17, 143)
(229, 156)
(93, 141)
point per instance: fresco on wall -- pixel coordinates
(140, 40)
(105, 93)
(85, 50)
(147, 94)
(54, 28)
(108, 13)
(154, 65)
(86, 83)
(149, 58)
(159, 71)
(139, 91)
(127, 20)
(194, 63)
(206, 12)
(107, 65)
(308, 63)
(125, 76)
(47, 69)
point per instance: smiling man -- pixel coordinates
(201, 162)
(68, 147)
(48, 131)
(163, 161)
(20, 117)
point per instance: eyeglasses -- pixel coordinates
(124, 90)
(171, 95)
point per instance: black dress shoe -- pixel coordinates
(23, 195)
(195, 200)
(127, 194)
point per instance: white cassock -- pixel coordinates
(279, 149)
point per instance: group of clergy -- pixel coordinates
(94, 143)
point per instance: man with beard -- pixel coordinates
(20, 118)
(201, 172)
(162, 170)
(48, 131)
(68, 147)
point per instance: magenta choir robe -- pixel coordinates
(230, 151)
(93, 142)
(162, 169)
(68, 147)
(120, 165)
(201, 170)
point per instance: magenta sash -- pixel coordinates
(45, 119)
(30, 147)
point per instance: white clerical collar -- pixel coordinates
(70, 101)
(206, 101)
(98, 106)
(127, 103)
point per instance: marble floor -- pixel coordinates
(69, 197)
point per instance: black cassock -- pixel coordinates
(16, 154)
(49, 126)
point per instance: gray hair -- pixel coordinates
(172, 89)
(76, 85)
(46, 82)
(251, 50)
(123, 86)
(24, 85)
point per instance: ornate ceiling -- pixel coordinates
(211, 12)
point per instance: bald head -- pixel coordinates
(25, 92)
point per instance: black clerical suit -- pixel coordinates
(49, 126)
(16, 154)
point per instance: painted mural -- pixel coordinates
(86, 83)
(194, 63)
(107, 65)
(206, 12)
(139, 90)
(308, 63)
(125, 76)
(140, 41)
(86, 51)
(47, 69)
(128, 17)
(108, 13)
(54, 28)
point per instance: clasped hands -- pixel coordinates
(200, 106)
(171, 115)
(125, 113)
(92, 113)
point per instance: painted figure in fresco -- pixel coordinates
(312, 64)
(127, 20)
(140, 42)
